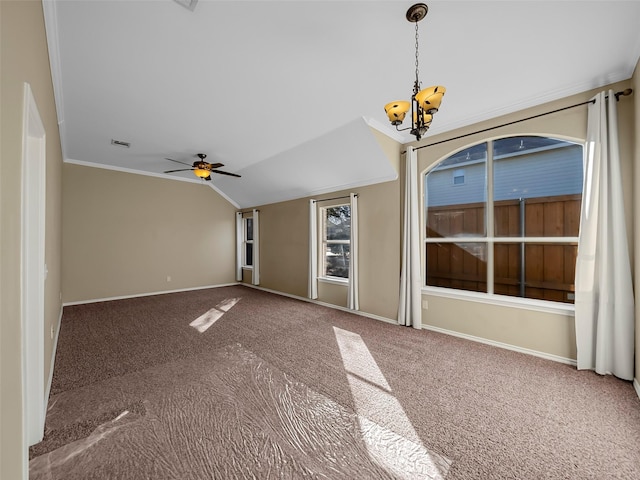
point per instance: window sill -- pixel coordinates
(247, 267)
(545, 306)
(334, 280)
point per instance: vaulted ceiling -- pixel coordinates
(285, 93)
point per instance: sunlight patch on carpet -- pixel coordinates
(204, 321)
(229, 414)
(371, 392)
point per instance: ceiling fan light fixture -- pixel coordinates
(424, 103)
(201, 172)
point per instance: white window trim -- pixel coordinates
(244, 244)
(546, 306)
(322, 233)
(334, 280)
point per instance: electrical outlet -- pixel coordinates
(425, 304)
(52, 332)
(168, 278)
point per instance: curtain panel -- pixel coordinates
(255, 278)
(409, 309)
(353, 300)
(604, 305)
(239, 240)
(313, 251)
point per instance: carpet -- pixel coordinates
(227, 415)
(493, 413)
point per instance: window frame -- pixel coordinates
(458, 173)
(323, 242)
(490, 239)
(245, 242)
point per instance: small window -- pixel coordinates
(458, 177)
(335, 241)
(247, 260)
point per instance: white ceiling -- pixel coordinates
(282, 92)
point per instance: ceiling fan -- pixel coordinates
(201, 168)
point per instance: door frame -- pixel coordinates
(33, 270)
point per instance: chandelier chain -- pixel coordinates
(417, 85)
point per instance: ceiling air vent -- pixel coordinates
(120, 143)
(190, 4)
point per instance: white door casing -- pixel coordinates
(33, 269)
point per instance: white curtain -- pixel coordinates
(353, 301)
(239, 240)
(409, 310)
(604, 307)
(255, 279)
(313, 251)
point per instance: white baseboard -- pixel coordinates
(547, 356)
(330, 305)
(149, 294)
(636, 385)
(535, 353)
(53, 360)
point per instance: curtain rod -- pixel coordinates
(334, 198)
(625, 93)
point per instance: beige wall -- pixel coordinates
(24, 58)
(284, 244)
(124, 234)
(549, 333)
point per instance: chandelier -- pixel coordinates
(424, 103)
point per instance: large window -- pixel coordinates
(247, 255)
(511, 226)
(335, 241)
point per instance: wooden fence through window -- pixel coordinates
(532, 270)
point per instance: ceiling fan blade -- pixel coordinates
(178, 161)
(216, 165)
(221, 172)
(181, 170)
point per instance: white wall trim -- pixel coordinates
(49, 8)
(53, 360)
(387, 130)
(506, 346)
(636, 385)
(323, 304)
(148, 294)
(33, 271)
(82, 163)
(624, 73)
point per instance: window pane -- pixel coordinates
(249, 229)
(338, 223)
(537, 187)
(248, 254)
(336, 260)
(455, 204)
(457, 265)
(547, 272)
